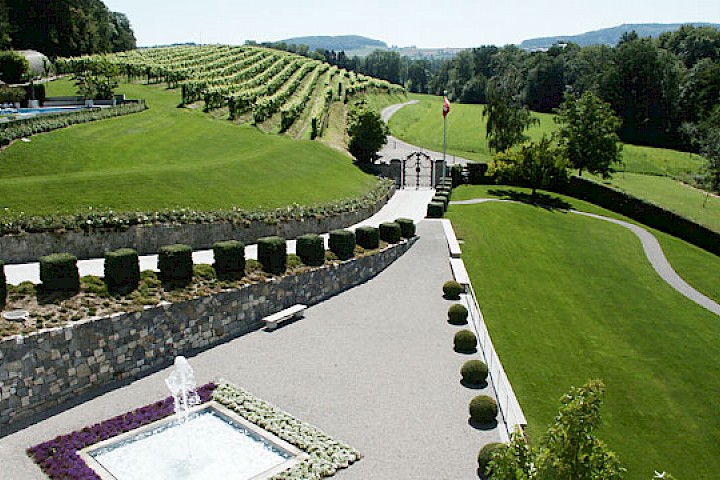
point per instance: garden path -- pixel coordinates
(652, 249)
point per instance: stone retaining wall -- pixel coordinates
(148, 239)
(44, 369)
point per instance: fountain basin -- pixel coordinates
(213, 442)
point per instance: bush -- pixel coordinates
(457, 314)
(474, 372)
(3, 284)
(452, 290)
(407, 227)
(229, 257)
(272, 254)
(390, 232)
(59, 273)
(342, 243)
(14, 67)
(367, 237)
(476, 173)
(443, 199)
(483, 410)
(12, 94)
(458, 175)
(175, 263)
(435, 210)
(311, 249)
(485, 456)
(122, 270)
(465, 341)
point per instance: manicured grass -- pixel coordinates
(569, 298)
(168, 157)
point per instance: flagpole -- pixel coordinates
(444, 138)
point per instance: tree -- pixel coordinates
(535, 165)
(5, 26)
(123, 37)
(98, 81)
(711, 151)
(587, 134)
(368, 133)
(507, 115)
(14, 67)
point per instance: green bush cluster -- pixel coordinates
(483, 410)
(485, 456)
(272, 254)
(441, 199)
(26, 127)
(3, 284)
(390, 232)
(92, 220)
(474, 372)
(457, 314)
(122, 270)
(342, 243)
(465, 341)
(175, 264)
(229, 257)
(435, 210)
(407, 227)
(367, 237)
(452, 290)
(311, 249)
(59, 273)
(476, 173)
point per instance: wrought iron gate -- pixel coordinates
(418, 171)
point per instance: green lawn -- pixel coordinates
(569, 298)
(168, 157)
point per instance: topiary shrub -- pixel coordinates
(390, 232)
(3, 284)
(229, 257)
(483, 410)
(457, 314)
(474, 372)
(485, 456)
(175, 263)
(452, 290)
(272, 254)
(407, 227)
(465, 341)
(342, 243)
(367, 237)
(122, 270)
(59, 273)
(311, 249)
(435, 210)
(443, 199)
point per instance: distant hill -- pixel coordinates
(608, 36)
(337, 43)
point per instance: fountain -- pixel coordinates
(197, 442)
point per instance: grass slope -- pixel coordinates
(569, 298)
(168, 157)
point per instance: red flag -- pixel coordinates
(446, 107)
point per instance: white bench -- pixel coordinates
(272, 321)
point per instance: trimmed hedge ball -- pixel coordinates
(465, 341)
(3, 284)
(122, 270)
(474, 372)
(311, 249)
(367, 237)
(390, 232)
(175, 263)
(342, 243)
(457, 314)
(435, 210)
(452, 290)
(229, 257)
(272, 254)
(407, 227)
(59, 273)
(443, 199)
(486, 453)
(483, 410)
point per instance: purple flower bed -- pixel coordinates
(58, 458)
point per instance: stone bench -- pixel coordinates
(272, 321)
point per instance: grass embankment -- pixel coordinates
(569, 298)
(168, 157)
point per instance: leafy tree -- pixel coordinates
(14, 67)
(5, 26)
(710, 149)
(123, 37)
(535, 165)
(368, 133)
(418, 75)
(507, 115)
(98, 81)
(587, 134)
(692, 44)
(385, 65)
(546, 83)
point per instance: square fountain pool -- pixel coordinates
(213, 442)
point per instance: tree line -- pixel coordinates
(64, 27)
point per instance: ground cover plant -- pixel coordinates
(583, 292)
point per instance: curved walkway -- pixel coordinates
(652, 249)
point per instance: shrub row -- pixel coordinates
(26, 127)
(118, 221)
(439, 203)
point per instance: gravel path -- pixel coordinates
(653, 252)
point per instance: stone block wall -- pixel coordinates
(45, 369)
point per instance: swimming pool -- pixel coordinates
(39, 111)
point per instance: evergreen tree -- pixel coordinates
(507, 115)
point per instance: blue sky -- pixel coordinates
(450, 23)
